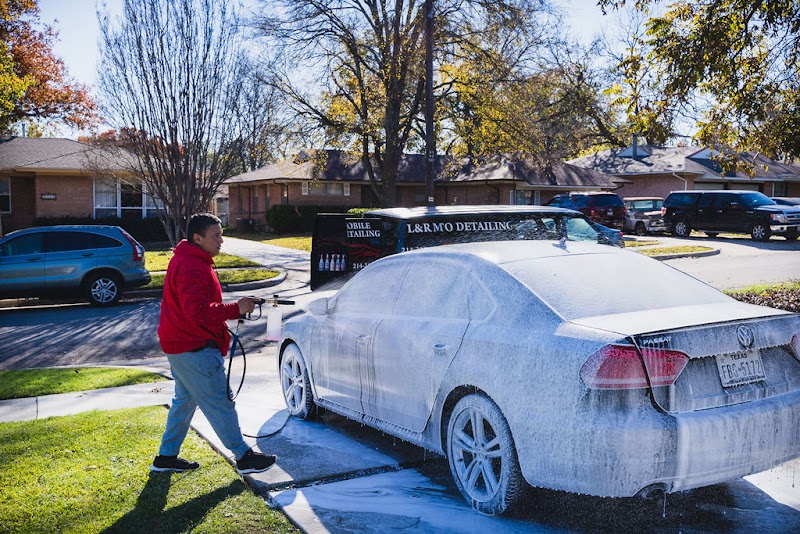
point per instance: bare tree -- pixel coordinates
(170, 78)
(368, 58)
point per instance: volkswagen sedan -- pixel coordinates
(563, 365)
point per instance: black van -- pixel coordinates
(343, 244)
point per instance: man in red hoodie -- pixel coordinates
(193, 334)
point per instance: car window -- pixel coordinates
(373, 291)
(606, 201)
(434, 289)
(580, 202)
(64, 241)
(24, 244)
(680, 199)
(752, 200)
(706, 201)
(580, 230)
(727, 200)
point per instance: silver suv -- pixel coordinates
(98, 262)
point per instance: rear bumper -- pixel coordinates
(137, 279)
(619, 453)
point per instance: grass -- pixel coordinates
(158, 260)
(634, 244)
(225, 277)
(37, 382)
(680, 249)
(296, 241)
(90, 473)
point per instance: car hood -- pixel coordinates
(778, 208)
(660, 319)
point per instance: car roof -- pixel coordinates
(505, 252)
(642, 198)
(64, 228)
(412, 213)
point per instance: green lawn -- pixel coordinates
(90, 473)
(37, 382)
(157, 260)
(225, 277)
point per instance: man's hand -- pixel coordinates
(246, 305)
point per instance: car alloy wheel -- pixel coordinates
(295, 383)
(641, 229)
(759, 232)
(103, 290)
(682, 229)
(482, 457)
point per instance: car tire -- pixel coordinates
(712, 235)
(102, 289)
(681, 228)
(760, 232)
(482, 456)
(295, 383)
(640, 229)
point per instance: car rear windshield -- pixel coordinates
(590, 285)
(605, 201)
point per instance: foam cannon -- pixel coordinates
(275, 316)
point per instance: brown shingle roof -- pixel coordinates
(54, 154)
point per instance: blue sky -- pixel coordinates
(76, 23)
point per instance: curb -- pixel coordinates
(663, 257)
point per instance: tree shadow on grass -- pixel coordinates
(149, 514)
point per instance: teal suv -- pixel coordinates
(96, 262)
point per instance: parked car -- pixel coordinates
(714, 212)
(571, 366)
(787, 201)
(643, 215)
(602, 207)
(98, 262)
(343, 243)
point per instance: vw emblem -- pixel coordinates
(745, 336)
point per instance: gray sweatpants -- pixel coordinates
(200, 381)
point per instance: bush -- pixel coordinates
(289, 219)
(143, 230)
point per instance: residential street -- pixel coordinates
(334, 475)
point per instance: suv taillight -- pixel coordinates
(663, 211)
(138, 250)
(619, 367)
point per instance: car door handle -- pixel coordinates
(87, 254)
(440, 350)
(35, 259)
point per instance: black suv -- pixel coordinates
(713, 212)
(601, 207)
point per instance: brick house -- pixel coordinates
(54, 177)
(335, 178)
(656, 171)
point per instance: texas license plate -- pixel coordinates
(740, 368)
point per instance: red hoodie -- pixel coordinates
(192, 312)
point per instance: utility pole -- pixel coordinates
(430, 143)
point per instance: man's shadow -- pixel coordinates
(149, 516)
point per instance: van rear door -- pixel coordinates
(342, 244)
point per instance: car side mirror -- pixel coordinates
(319, 306)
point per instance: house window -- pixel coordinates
(5, 195)
(123, 199)
(523, 197)
(326, 189)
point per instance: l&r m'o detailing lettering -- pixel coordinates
(461, 226)
(361, 229)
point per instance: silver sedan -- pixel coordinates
(562, 365)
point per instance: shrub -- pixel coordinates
(290, 219)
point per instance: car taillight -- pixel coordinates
(620, 367)
(796, 345)
(138, 250)
(663, 211)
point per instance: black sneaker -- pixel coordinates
(254, 462)
(172, 463)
